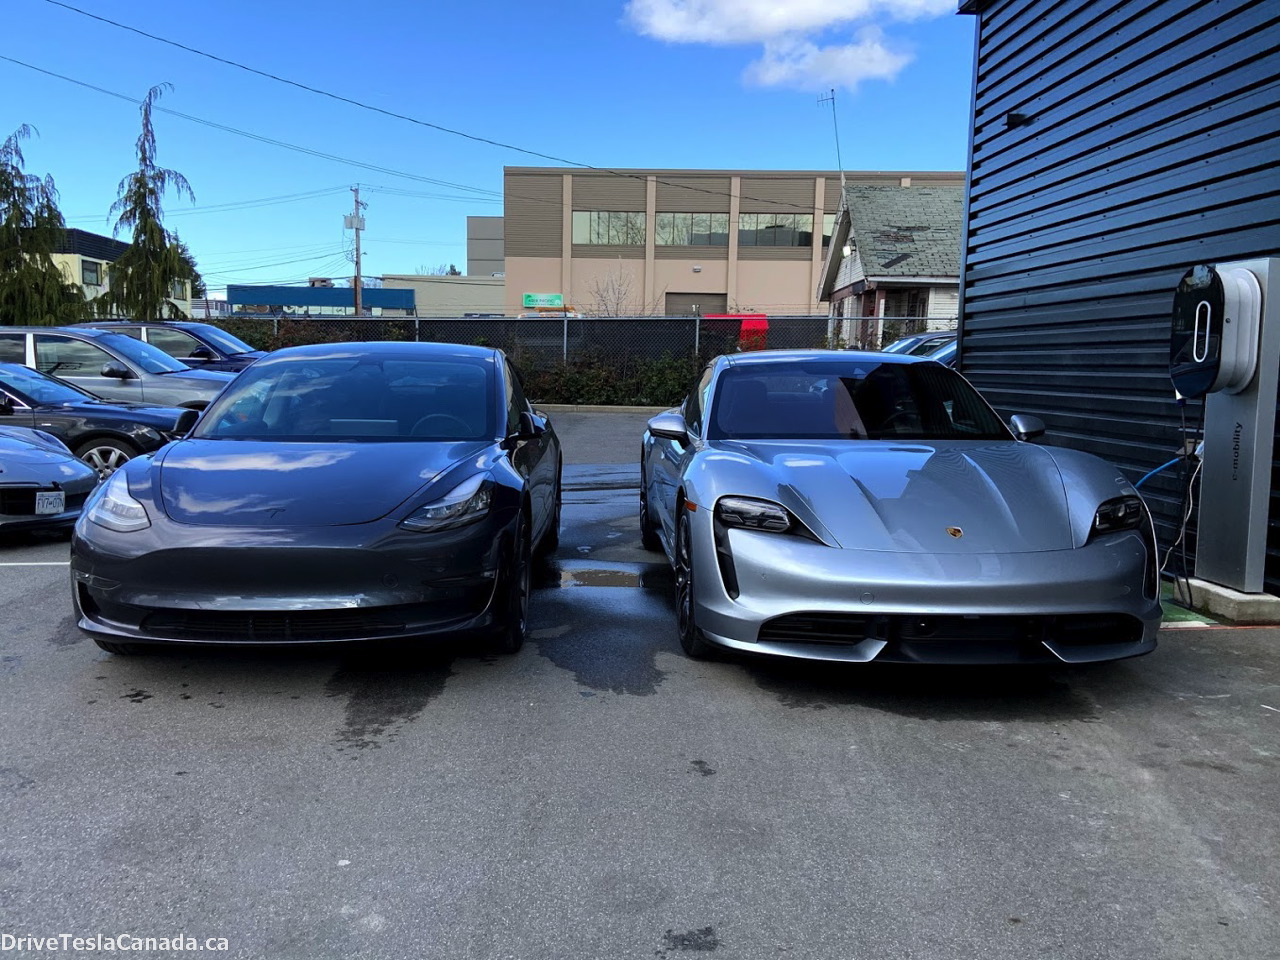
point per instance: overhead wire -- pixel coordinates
(360, 104)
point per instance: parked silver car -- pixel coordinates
(833, 505)
(111, 365)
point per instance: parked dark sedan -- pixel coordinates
(364, 491)
(101, 433)
(41, 484)
(199, 345)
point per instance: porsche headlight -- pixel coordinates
(115, 509)
(751, 514)
(466, 503)
(1122, 513)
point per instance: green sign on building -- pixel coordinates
(544, 300)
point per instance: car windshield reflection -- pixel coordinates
(861, 400)
(350, 399)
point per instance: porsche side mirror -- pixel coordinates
(670, 426)
(186, 420)
(6, 407)
(117, 371)
(1025, 427)
(202, 353)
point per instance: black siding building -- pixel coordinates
(1115, 144)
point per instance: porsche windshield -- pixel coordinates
(849, 400)
(355, 398)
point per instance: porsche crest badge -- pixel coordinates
(955, 532)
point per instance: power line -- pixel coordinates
(234, 205)
(401, 116)
(285, 145)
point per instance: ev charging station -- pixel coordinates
(1225, 346)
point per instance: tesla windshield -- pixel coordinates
(849, 400)
(355, 398)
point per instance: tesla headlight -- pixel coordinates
(752, 514)
(1122, 513)
(115, 509)
(465, 503)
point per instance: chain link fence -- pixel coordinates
(613, 360)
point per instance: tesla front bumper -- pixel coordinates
(787, 596)
(283, 586)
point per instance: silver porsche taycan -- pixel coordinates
(866, 506)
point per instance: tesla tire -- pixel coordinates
(512, 598)
(551, 538)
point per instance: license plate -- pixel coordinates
(50, 501)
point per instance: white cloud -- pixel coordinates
(792, 33)
(756, 21)
(802, 65)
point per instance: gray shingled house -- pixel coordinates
(893, 266)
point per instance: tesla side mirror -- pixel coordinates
(117, 371)
(202, 354)
(670, 426)
(6, 407)
(531, 426)
(1026, 427)
(186, 420)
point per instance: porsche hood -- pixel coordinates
(965, 497)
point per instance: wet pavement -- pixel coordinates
(601, 796)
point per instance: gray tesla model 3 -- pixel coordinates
(868, 506)
(356, 491)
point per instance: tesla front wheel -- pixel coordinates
(691, 639)
(513, 594)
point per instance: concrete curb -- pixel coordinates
(595, 408)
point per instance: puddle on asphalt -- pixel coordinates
(560, 576)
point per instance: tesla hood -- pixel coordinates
(248, 483)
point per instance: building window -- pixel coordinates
(828, 228)
(605, 227)
(691, 230)
(775, 229)
(178, 290)
(912, 302)
(91, 273)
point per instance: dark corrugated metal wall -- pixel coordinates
(1115, 144)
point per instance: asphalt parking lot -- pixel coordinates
(601, 796)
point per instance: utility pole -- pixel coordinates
(356, 222)
(836, 125)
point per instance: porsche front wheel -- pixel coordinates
(691, 639)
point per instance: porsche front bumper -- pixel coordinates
(788, 596)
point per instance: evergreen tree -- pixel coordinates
(33, 290)
(143, 277)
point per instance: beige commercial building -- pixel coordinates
(676, 242)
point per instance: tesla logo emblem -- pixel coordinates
(955, 532)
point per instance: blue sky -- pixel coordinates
(610, 83)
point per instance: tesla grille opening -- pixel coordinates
(274, 627)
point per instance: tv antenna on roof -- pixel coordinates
(836, 126)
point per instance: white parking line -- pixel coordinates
(43, 563)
